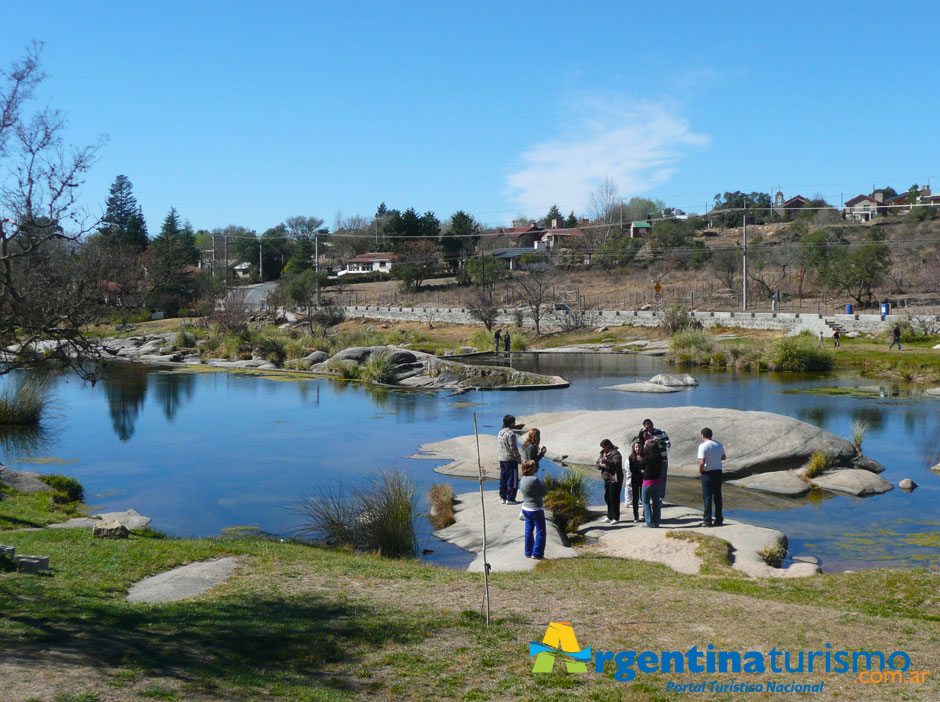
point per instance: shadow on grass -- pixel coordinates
(243, 641)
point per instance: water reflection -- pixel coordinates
(172, 389)
(874, 417)
(125, 387)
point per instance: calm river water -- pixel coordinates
(202, 451)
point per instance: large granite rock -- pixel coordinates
(755, 442)
(677, 381)
(316, 357)
(853, 481)
(22, 480)
(764, 450)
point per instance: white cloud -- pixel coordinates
(637, 145)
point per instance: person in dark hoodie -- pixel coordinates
(610, 464)
(635, 462)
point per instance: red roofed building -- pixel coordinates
(523, 237)
(861, 208)
(369, 263)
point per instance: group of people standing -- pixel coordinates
(502, 337)
(647, 465)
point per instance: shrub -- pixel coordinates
(376, 518)
(378, 369)
(25, 402)
(676, 319)
(518, 343)
(773, 555)
(567, 498)
(185, 340)
(482, 341)
(802, 352)
(67, 489)
(859, 429)
(270, 348)
(692, 344)
(345, 369)
(441, 499)
(818, 462)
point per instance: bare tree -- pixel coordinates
(121, 271)
(482, 308)
(45, 295)
(534, 288)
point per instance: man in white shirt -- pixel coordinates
(710, 456)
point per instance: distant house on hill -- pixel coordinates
(555, 239)
(638, 230)
(782, 206)
(861, 208)
(523, 237)
(369, 263)
(900, 201)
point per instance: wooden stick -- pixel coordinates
(486, 566)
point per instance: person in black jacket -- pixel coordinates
(635, 463)
(610, 464)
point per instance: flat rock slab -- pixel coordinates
(505, 534)
(130, 518)
(22, 480)
(781, 483)
(642, 387)
(933, 392)
(853, 482)
(461, 451)
(630, 540)
(182, 583)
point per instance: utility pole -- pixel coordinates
(260, 263)
(744, 280)
(225, 263)
(316, 263)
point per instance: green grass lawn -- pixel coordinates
(298, 622)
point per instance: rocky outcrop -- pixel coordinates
(412, 369)
(674, 380)
(22, 480)
(758, 444)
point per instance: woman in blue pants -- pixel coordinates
(533, 511)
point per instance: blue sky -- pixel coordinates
(247, 113)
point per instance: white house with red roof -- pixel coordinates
(376, 262)
(861, 208)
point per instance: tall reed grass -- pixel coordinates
(377, 517)
(25, 402)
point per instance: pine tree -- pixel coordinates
(572, 221)
(553, 213)
(124, 220)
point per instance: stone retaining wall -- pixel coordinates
(781, 321)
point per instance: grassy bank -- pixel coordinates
(802, 352)
(308, 623)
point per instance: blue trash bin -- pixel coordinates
(885, 309)
(849, 309)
